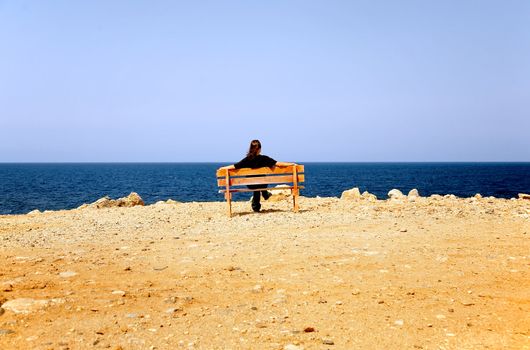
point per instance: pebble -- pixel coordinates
(327, 341)
(2, 311)
(131, 315)
(398, 322)
(118, 292)
(257, 288)
(292, 347)
(67, 274)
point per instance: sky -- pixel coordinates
(196, 81)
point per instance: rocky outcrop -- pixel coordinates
(353, 194)
(131, 200)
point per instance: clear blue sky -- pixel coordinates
(313, 80)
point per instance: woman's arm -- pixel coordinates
(228, 167)
(284, 164)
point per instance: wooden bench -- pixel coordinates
(233, 179)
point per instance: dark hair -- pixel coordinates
(253, 150)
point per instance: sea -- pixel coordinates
(54, 186)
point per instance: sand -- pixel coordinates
(436, 273)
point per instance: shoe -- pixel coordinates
(266, 195)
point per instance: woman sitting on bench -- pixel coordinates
(254, 160)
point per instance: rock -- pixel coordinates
(279, 195)
(171, 201)
(6, 331)
(67, 274)
(121, 293)
(327, 341)
(104, 202)
(524, 196)
(309, 329)
(133, 199)
(399, 323)
(292, 347)
(395, 194)
(2, 311)
(478, 196)
(353, 194)
(6, 286)
(257, 289)
(369, 196)
(436, 197)
(25, 305)
(413, 193)
(34, 212)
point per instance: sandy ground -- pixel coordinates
(437, 273)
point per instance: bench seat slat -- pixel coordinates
(261, 171)
(259, 180)
(260, 189)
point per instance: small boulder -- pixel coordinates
(133, 199)
(279, 195)
(25, 305)
(353, 194)
(524, 196)
(395, 194)
(478, 196)
(369, 196)
(104, 202)
(414, 193)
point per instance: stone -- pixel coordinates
(121, 293)
(279, 195)
(133, 199)
(171, 201)
(327, 341)
(524, 196)
(478, 196)
(257, 289)
(413, 193)
(6, 287)
(353, 194)
(67, 274)
(292, 347)
(35, 212)
(104, 202)
(6, 331)
(369, 196)
(2, 311)
(395, 194)
(25, 305)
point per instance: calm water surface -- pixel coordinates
(25, 187)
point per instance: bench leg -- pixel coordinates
(228, 196)
(295, 201)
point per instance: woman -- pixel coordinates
(255, 159)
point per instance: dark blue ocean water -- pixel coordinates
(24, 187)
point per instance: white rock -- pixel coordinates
(414, 193)
(395, 194)
(67, 274)
(292, 347)
(25, 305)
(353, 194)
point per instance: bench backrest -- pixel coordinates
(260, 176)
